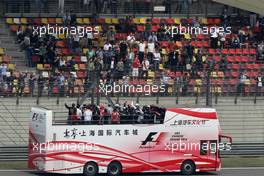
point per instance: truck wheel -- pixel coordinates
(90, 169)
(114, 169)
(187, 168)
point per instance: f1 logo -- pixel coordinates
(151, 137)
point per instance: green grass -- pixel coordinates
(243, 162)
(13, 165)
(226, 162)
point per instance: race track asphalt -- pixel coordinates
(250, 171)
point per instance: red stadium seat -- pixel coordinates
(211, 51)
(235, 66)
(140, 28)
(246, 51)
(239, 51)
(230, 59)
(170, 21)
(154, 28)
(232, 51)
(253, 51)
(37, 21)
(155, 20)
(224, 51)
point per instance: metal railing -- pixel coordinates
(20, 153)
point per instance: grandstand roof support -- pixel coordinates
(255, 6)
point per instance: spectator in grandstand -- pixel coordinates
(153, 37)
(120, 69)
(235, 43)
(19, 34)
(222, 39)
(90, 53)
(101, 114)
(223, 64)
(87, 115)
(242, 82)
(260, 51)
(26, 42)
(173, 60)
(260, 82)
(73, 18)
(131, 39)
(141, 50)
(110, 35)
(135, 66)
(151, 48)
(41, 85)
(71, 85)
(115, 117)
(79, 113)
(21, 83)
(72, 113)
(156, 59)
(76, 44)
(214, 38)
(66, 18)
(3, 71)
(31, 82)
(145, 68)
(61, 83)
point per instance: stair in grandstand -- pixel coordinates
(7, 41)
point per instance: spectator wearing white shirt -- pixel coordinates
(87, 115)
(79, 112)
(145, 68)
(141, 50)
(156, 59)
(131, 39)
(151, 48)
(107, 45)
(214, 37)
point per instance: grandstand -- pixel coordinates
(191, 66)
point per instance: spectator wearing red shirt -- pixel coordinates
(115, 117)
(102, 114)
(135, 65)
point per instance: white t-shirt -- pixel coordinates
(142, 47)
(156, 56)
(88, 115)
(107, 46)
(145, 65)
(79, 113)
(151, 47)
(131, 38)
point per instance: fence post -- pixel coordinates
(157, 98)
(216, 97)
(117, 97)
(58, 99)
(137, 98)
(17, 99)
(236, 94)
(197, 97)
(78, 98)
(256, 94)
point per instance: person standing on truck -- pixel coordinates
(72, 113)
(115, 117)
(87, 115)
(79, 113)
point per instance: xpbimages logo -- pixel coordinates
(175, 30)
(125, 88)
(81, 31)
